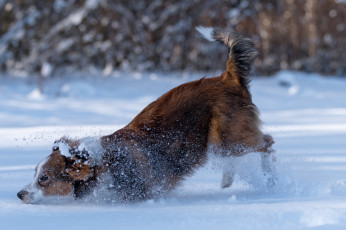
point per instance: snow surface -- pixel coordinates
(306, 115)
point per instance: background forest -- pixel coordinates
(41, 37)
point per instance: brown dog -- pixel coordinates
(165, 142)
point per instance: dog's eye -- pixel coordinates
(43, 179)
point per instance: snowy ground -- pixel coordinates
(306, 114)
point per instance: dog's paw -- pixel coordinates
(227, 180)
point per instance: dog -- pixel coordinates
(167, 141)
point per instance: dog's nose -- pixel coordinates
(22, 194)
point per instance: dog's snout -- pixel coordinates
(21, 194)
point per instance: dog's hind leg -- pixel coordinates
(268, 161)
(228, 173)
(268, 169)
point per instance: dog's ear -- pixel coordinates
(77, 165)
(81, 154)
(79, 170)
(74, 148)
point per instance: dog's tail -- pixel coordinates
(242, 51)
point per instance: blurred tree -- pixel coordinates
(38, 36)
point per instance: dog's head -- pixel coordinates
(57, 175)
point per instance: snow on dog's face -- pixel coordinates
(55, 176)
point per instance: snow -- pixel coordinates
(305, 113)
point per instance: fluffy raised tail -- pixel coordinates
(242, 51)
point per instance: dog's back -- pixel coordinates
(169, 138)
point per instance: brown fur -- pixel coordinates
(54, 169)
(169, 139)
(177, 129)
